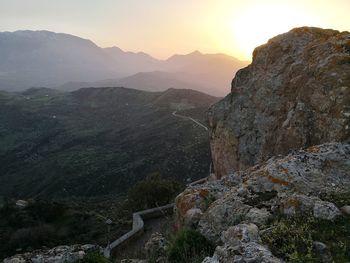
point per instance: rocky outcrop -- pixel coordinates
(242, 243)
(295, 94)
(155, 248)
(294, 185)
(60, 254)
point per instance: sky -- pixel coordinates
(166, 27)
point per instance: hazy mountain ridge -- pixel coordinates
(43, 58)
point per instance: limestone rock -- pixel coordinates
(321, 250)
(280, 185)
(242, 244)
(326, 210)
(258, 216)
(155, 248)
(192, 217)
(60, 254)
(242, 233)
(196, 197)
(295, 94)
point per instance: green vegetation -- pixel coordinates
(189, 246)
(153, 191)
(208, 200)
(95, 142)
(49, 224)
(292, 238)
(94, 258)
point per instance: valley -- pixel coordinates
(94, 142)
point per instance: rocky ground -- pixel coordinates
(60, 254)
(232, 211)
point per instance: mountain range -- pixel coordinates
(67, 62)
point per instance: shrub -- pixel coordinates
(153, 191)
(94, 257)
(292, 238)
(189, 246)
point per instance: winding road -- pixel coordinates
(191, 119)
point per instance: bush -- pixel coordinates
(189, 246)
(32, 237)
(94, 257)
(153, 191)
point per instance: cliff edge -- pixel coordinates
(281, 155)
(294, 94)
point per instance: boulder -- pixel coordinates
(258, 216)
(242, 244)
(295, 94)
(321, 251)
(192, 217)
(326, 210)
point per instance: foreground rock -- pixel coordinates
(242, 244)
(293, 186)
(295, 94)
(60, 254)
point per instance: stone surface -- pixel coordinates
(292, 185)
(326, 210)
(346, 209)
(60, 254)
(258, 216)
(296, 93)
(242, 244)
(155, 248)
(321, 250)
(192, 217)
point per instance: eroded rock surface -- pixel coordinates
(60, 254)
(293, 185)
(295, 94)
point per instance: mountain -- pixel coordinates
(42, 58)
(131, 62)
(62, 61)
(98, 141)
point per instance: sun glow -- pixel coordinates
(256, 24)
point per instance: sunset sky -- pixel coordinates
(164, 27)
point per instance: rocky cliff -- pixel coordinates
(295, 93)
(281, 153)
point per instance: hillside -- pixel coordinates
(94, 142)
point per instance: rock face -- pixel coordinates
(60, 254)
(295, 94)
